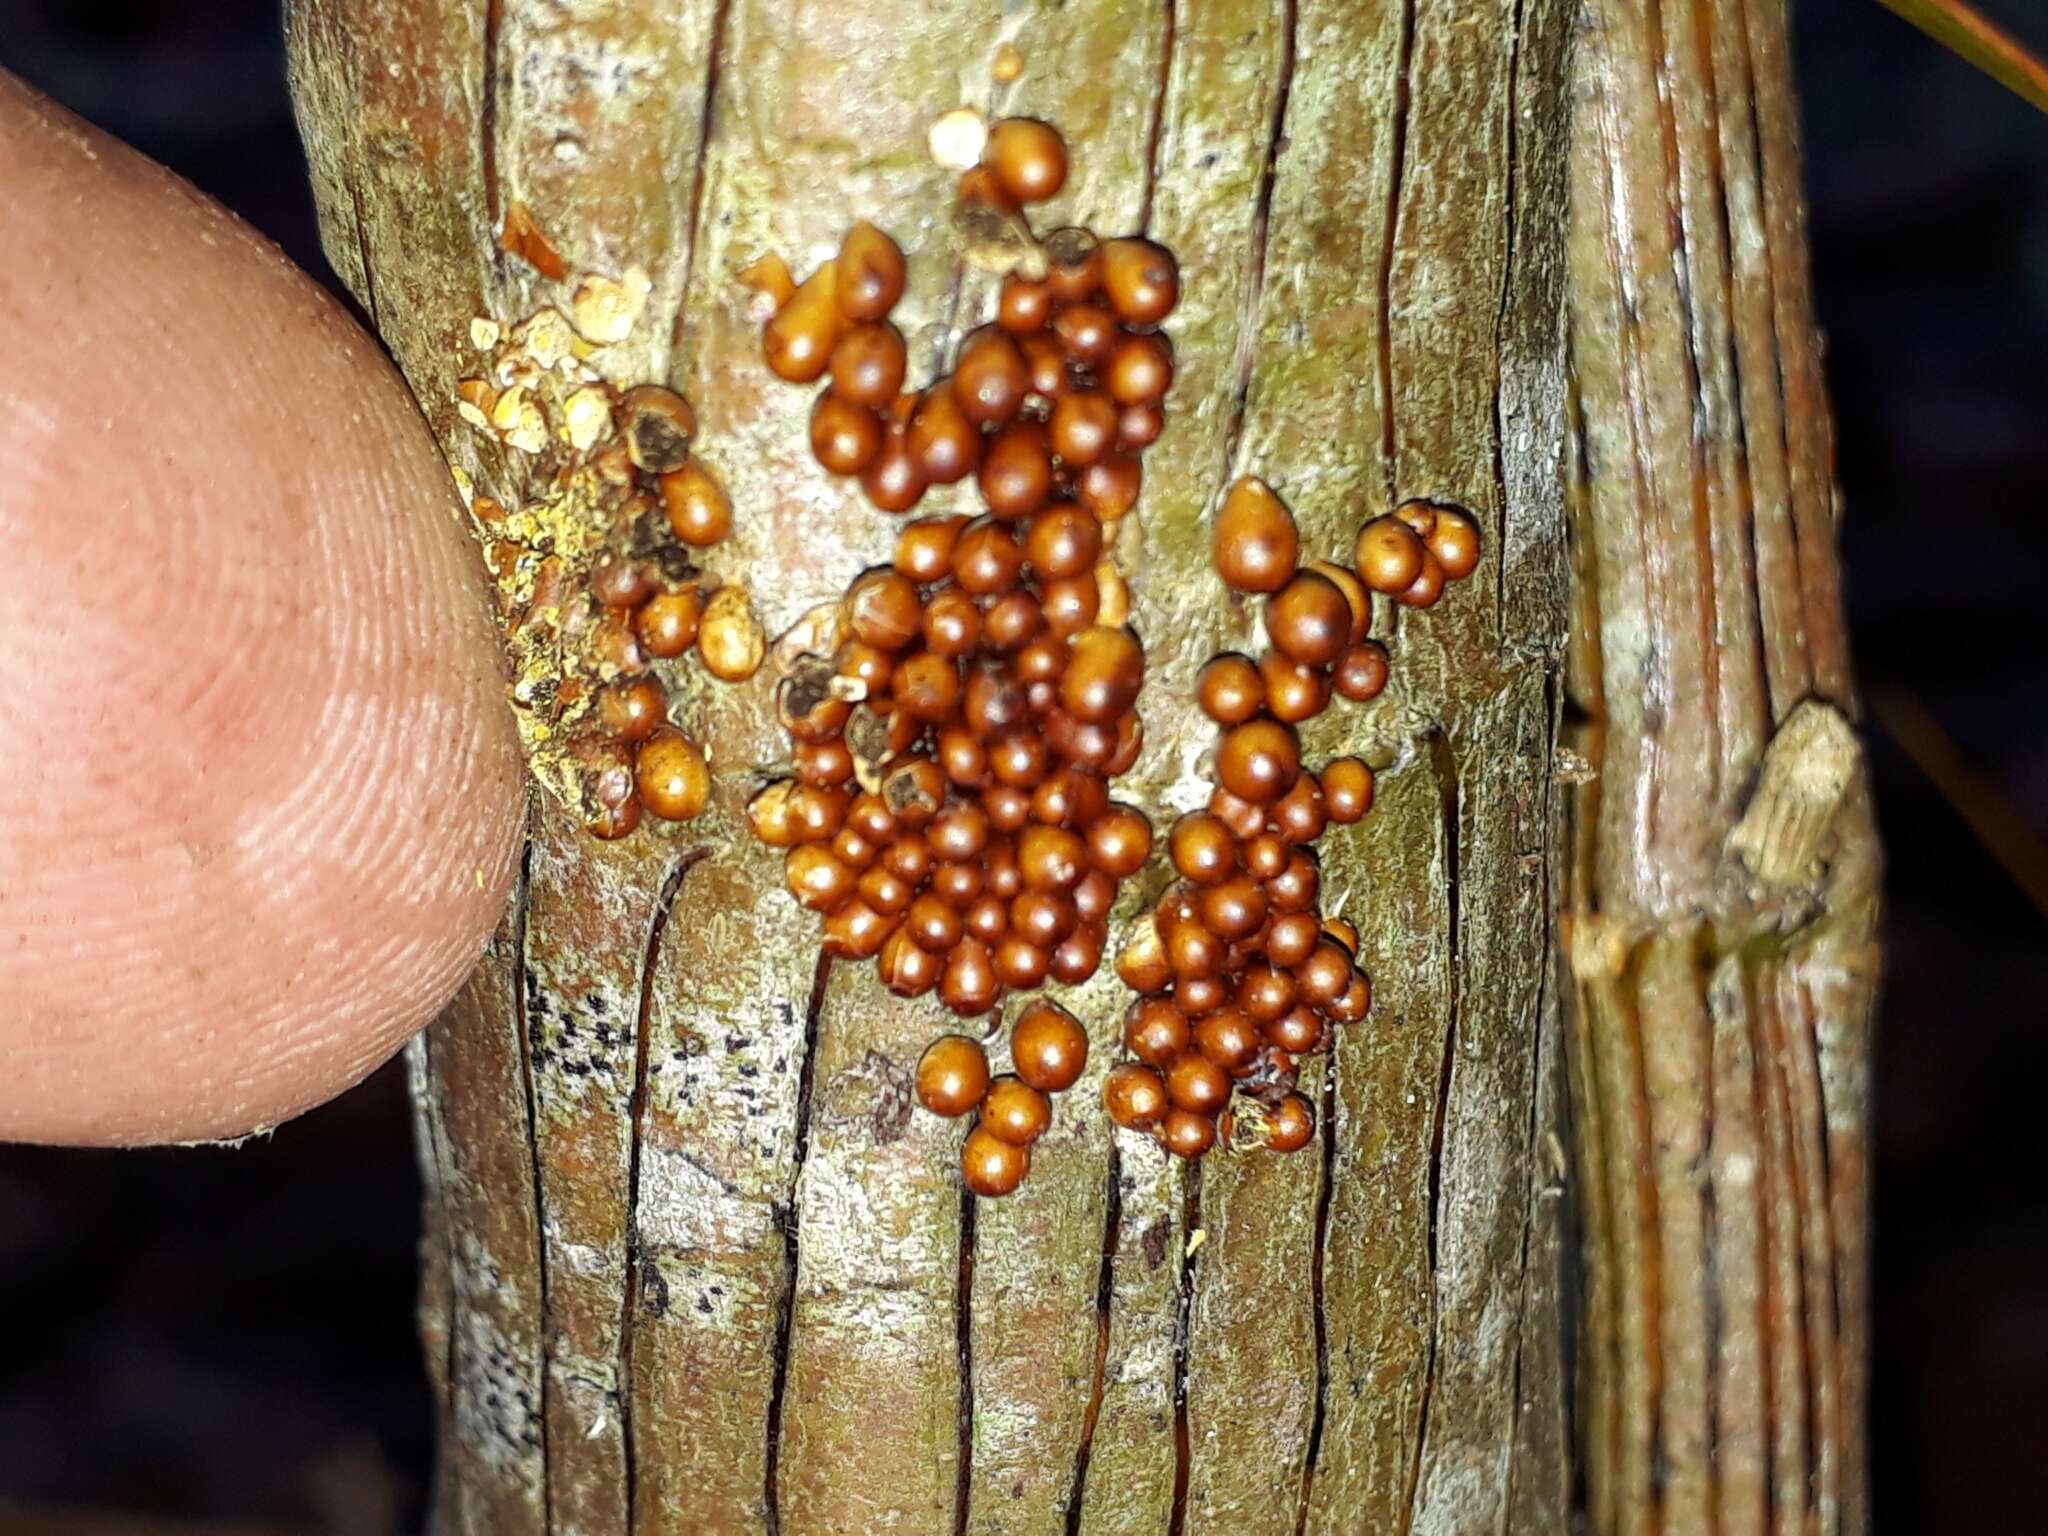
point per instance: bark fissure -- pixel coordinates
(1796, 333)
(1318, 1280)
(1695, 381)
(487, 113)
(1789, 1401)
(1105, 1299)
(1443, 761)
(355, 192)
(1643, 561)
(1397, 172)
(636, 1112)
(1509, 273)
(1156, 132)
(1650, 1237)
(530, 1111)
(1722, 343)
(1788, 391)
(1183, 1448)
(946, 338)
(785, 1316)
(1816, 1249)
(1262, 224)
(1788, 671)
(714, 65)
(963, 1339)
(1534, 1142)
(1710, 1256)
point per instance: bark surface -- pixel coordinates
(1583, 1226)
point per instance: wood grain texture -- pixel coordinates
(697, 1264)
(1722, 852)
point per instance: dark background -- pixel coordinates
(228, 1334)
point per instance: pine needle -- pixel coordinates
(1979, 41)
(2004, 834)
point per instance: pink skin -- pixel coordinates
(260, 792)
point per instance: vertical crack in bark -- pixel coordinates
(963, 1337)
(1815, 1234)
(1105, 1295)
(700, 181)
(355, 192)
(1444, 765)
(1532, 1138)
(1799, 1471)
(1744, 490)
(1155, 136)
(531, 1109)
(1823, 1150)
(1327, 1117)
(487, 116)
(1784, 1394)
(1262, 222)
(1508, 274)
(1795, 639)
(1650, 1236)
(1593, 1134)
(636, 1118)
(1183, 1319)
(1649, 563)
(1714, 1283)
(1810, 474)
(785, 1316)
(1694, 383)
(1404, 89)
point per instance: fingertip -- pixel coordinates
(261, 797)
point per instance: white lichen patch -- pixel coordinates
(1807, 770)
(687, 1208)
